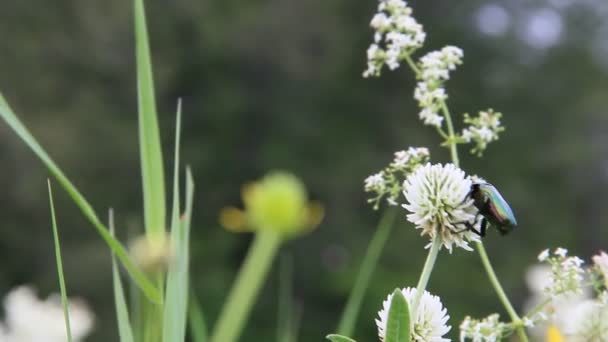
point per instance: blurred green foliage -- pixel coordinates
(277, 85)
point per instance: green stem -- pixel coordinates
(247, 285)
(480, 248)
(349, 315)
(426, 274)
(538, 307)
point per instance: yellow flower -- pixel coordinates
(277, 202)
(553, 335)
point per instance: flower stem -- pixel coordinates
(426, 274)
(346, 326)
(247, 285)
(480, 248)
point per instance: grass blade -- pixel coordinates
(64, 296)
(176, 303)
(153, 177)
(125, 331)
(285, 310)
(339, 338)
(138, 276)
(351, 310)
(198, 326)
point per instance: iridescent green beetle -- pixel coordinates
(494, 209)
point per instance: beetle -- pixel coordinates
(493, 207)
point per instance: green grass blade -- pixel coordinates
(125, 331)
(198, 326)
(64, 296)
(176, 300)
(370, 260)
(153, 177)
(7, 114)
(339, 338)
(398, 322)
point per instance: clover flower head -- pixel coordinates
(388, 183)
(436, 197)
(566, 273)
(397, 34)
(601, 266)
(489, 329)
(482, 130)
(430, 323)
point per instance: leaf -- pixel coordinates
(125, 331)
(64, 296)
(138, 276)
(153, 177)
(339, 338)
(398, 322)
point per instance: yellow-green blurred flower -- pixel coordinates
(277, 202)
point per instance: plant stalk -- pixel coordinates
(247, 286)
(426, 274)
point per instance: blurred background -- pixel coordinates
(276, 84)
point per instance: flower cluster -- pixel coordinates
(435, 69)
(482, 130)
(489, 329)
(437, 201)
(389, 182)
(397, 35)
(28, 318)
(601, 267)
(430, 323)
(566, 272)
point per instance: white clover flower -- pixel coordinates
(397, 34)
(31, 319)
(489, 329)
(482, 129)
(430, 323)
(437, 201)
(601, 264)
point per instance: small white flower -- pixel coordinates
(436, 199)
(482, 129)
(375, 182)
(489, 329)
(398, 33)
(430, 323)
(561, 252)
(528, 322)
(543, 255)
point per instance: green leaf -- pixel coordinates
(398, 322)
(198, 326)
(370, 260)
(125, 331)
(138, 276)
(153, 177)
(285, 309)
(64, 296)
(339, 338)
(176, 303)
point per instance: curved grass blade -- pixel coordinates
(125, 331)
(64, 296)
(398, 322)
(148, 288)
(153, 177)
